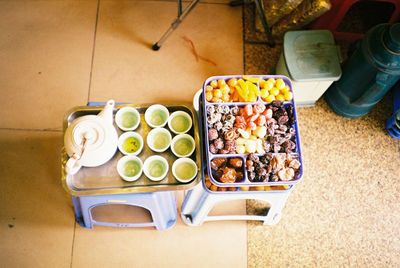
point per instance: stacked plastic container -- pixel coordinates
(199, 201)
(245, 182)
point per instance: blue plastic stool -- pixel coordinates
(161, 205)
(393, 122)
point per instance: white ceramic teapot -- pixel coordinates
(91, 140)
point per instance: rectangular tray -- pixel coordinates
(210, 156)
(104, 179)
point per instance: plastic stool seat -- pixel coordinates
(331, 19)
(198, 202)
(161, 205)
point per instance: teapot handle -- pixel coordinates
(73, 166)
(107, 112)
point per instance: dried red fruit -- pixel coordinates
(254, 117)
(259, 108)
(252, 125)
(241, 125)
(248, 110)
(268, 113)
(240, 119)
(236, 162)
(261, 120)
(230, 135)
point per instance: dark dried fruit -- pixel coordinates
(236, 162)
(219, 161)
(229, 175)
(283, 119)
(249, 163)
(274, 178)
(262, 172)
(239, 176)
(250, 169)
(253, 157)
(251, 176)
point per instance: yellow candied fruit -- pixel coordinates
(259, 188)
(270, 98)
(268, 85)
(232, 82)
(267, 188)
(288, 96)
(225, 90)
(264, 93)
(218, 93)
(261, 83)
(244, 188)
(254, 80)
(272, 80)
(221, 83)
(280, 84)
(209, 88)
(214, 83)
(280, 97)
(209, 96)
(226, 98)
(274, 91)
(285, 89)
(216, 100)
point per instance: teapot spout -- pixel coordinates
(107, 113)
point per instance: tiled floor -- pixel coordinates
(55, 55)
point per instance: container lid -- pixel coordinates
(311, 55)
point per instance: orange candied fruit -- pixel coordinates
(214, 83)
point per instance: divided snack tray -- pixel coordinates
(105, 179)
(296, 153)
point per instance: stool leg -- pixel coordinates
(78, 210)
(202, 209)
(277, 203)
(164, 215)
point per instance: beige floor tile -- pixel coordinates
(45, 60)
(213, 244)
(127, 69)
(36, 218)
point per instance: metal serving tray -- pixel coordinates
(104, 179)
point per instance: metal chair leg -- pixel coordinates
(175, 24)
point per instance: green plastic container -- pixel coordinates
(311, 60)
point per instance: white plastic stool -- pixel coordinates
(199, 201)
(161, 205)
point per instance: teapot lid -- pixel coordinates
(90, 133)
